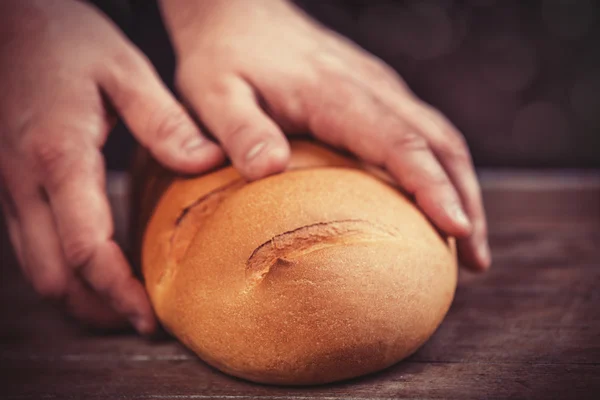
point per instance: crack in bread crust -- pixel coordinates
(189, 222)
(283, 249)
(218, 194)
(190, 219)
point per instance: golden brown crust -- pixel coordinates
(314, 275)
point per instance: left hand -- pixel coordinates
(252, 72)
(65, 72)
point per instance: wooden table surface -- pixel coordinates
(530, 328)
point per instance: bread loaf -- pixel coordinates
(318, 274)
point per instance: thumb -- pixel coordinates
(154, 117)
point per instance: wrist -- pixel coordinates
(188, 21)
(180, 14)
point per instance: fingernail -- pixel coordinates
(459, 216)
(254, 151)
(193, 144)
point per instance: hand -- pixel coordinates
(61, 64)
(253, 72)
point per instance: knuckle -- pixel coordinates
(304, 85)
(438, 181)
(408, 141)
(167, 123)
(237, 132)
(79, 249)
(322, 70)
(187, 71)
(308, 79)
(218, 88)
(455, 148)
(434, 182)
(218, 91)
(450, 143)
(57, 161)
(126, 64)
(53, 158)
(337, 100)
(128, 61)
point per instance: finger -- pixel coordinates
(41, 255)
(87, 306)
(253, 141)
(347, 115)
(445, 140)
(453, 154)
(46, 270)
(73, 176)
(43, 263)
(153, 115)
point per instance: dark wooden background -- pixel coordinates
(530, 328)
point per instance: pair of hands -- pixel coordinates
(249, 74)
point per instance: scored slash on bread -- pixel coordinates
(284, 248)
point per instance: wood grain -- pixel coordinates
(530, 328)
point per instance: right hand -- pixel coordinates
(252, 74)
(61, 63)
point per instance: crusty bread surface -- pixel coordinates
(318, 274)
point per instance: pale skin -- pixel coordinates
(252, 75)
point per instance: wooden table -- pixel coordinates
(530, 328)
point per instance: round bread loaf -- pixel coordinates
(318, 274)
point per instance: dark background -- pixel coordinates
(520, 79)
